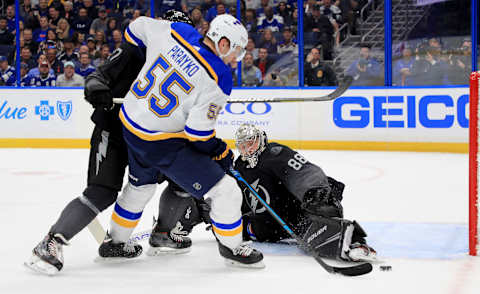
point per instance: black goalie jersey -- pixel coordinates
(281, 177)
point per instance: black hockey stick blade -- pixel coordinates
(346, 83)
(356, 270)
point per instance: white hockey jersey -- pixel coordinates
(180, 89)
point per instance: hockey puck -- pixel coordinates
(385, 268)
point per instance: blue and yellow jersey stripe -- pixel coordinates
(148, 135)
(132, 39)
(228, 230)
(125, 218)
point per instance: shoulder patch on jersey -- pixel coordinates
(276, 150)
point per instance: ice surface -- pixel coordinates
(413, 205)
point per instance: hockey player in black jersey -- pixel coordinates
(300, 193)
(106, 167)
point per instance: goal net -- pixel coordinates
(473, 162)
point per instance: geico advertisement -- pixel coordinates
(43, 113)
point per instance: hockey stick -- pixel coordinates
(98, 232)
(355, 270)
(347, 82)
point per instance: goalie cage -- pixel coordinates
(474, 239)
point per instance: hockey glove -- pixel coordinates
(97, 92)
(224, 156)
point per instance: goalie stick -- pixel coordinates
(355, 270)
(346, 83)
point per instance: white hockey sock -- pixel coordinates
(226, 213)
(128, 210)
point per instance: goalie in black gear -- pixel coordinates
(300, 193)
(108, 158)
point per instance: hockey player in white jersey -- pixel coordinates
(169, 119)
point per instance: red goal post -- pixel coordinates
(474, 248)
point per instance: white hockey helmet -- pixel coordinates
(250, 142)
(227, 26)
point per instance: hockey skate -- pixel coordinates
(173, 242)
(111, 252)
(242, 256)
(362, 252)
(47, 256)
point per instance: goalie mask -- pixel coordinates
(250, 142)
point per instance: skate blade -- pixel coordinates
(40, 266)
(115, 260)
(233, 263)
(162, 251)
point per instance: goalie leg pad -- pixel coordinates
(329, 237)
(176, 205)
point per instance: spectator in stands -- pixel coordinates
(45, 77)
(68, 53)
(218, 9)
(250, 21)
(92, 48)
(7, 72)
(77, 39)
(402, 69)
(53, 17)
(85, 67)
(197, 18)
(40, 34)
(116, 40)
(429, 69)
(69, 78)
(251, 75)
(92, 11)
(41, 9)
(6, 38)
(251, 48)
(308, 7)
(294, 24)
(268, 41)
(260, 12)
(434, 43)
(26, 57)
(460, 63)
(288, 44)
(111, 26)
(318, 73)
(82, 22)
(322, 30)
(55, 64)
(36, 71)
(205, 27)
(334, 14)
(25, 79)
(365, 70)
(69, 13)
(285, 12)
(81, 50)
(104, 53)
(351, 11)
(26, 13)
(100, 23)
(263, 62)
(271, 21)
(10, 16)
(100, 40)
(142, 6)
(63, 30)
(162, 6)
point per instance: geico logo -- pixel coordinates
(242, 108)
(431, 111)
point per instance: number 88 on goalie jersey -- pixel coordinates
(180, 89)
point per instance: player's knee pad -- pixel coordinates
(329, 237)
(134, 198)
(176, 205)
(98, 198)
(226, 200)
